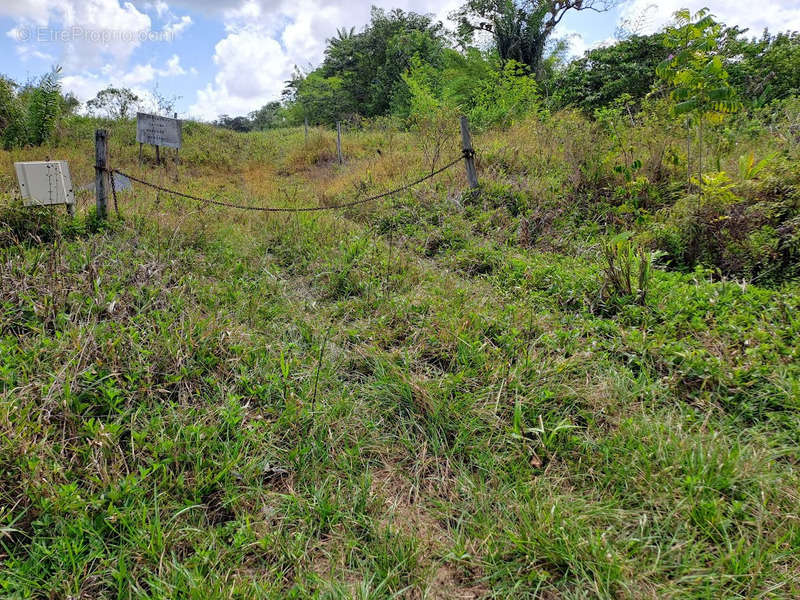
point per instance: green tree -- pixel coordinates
(362, 72)
(240, 124)
(114, 103)
(763, 69)
(29, 114)
(324, 100)
(44, 107)
(520, 28)
(604, 74)
(10, 109)
(695, 71)
(268, 116)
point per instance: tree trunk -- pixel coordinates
(700, 152)
(688, 152)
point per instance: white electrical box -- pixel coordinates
(43, 183)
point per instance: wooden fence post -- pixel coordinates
(305, 125)
(100, 173)
(469, 153)
(339, 140)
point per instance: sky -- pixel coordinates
(233, 56)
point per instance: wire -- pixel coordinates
(290, 209)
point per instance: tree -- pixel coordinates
(604, 74)
(29, 114)
(268, 116)
(114, 103)
(44, 107)
(695, 70)
(12, 121)
(9, 105)
(520, 28)
(362, 72)
(763, 69)
(240, 124)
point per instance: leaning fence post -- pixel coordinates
(100, 171)
(469, 153)
(339, 140)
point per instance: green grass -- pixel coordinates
(486, 423)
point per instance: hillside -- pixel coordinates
(441, 394)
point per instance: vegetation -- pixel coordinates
(29, 114)
(520, 30)
(114, 103)
(580, 380)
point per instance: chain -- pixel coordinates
(113, 190)
(287, 209)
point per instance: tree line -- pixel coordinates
(399, 55)
(504, 57)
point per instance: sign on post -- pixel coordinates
(158, 131)
(44, 183)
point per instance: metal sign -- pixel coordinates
(158, 131)
(43, 183)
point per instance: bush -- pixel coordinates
(319, 149)
(716, 227)
(29, 115)
(626, 272)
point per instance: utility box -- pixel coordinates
(43, 183)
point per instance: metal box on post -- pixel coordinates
(44, 183)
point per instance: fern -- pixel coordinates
(44, 108)
(12, 123)
(749, 168)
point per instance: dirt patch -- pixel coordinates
(448, 584)
(405, 511)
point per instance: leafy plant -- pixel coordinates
(504, 95)
(44, 107)
(749, 168)
(28, 115)
(627, 271)
(696, 73)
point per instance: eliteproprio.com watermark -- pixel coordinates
(76, 33)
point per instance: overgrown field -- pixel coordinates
(441, 395)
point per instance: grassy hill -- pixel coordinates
(443, 394)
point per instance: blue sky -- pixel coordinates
(232, 56)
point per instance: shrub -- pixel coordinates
(626, 272)
(739, 237)
(29, 116)
(319, 149)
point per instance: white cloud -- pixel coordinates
(27, 52)
(251, 70)
(86, 33)
(86, 84)
(161, 8)
(34, 11)
(265, 39)
(176, 27)
(173, 67)
(776, 15)
(85, 30)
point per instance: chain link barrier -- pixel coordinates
(284, 209)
